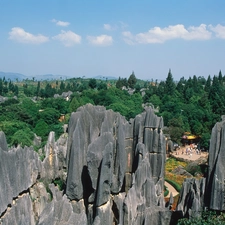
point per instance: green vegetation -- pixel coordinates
(166, 191)
(59, 183)
(207, 218)
(172, 163)
(193, 105)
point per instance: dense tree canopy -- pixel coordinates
(189, 105)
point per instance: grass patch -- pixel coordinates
(173, 163)
(175, 180)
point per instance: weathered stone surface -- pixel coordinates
(20, 212)
(3, 142)
(105, 179)
(104, 214)
(115, 171)
(104, 153)
(181, 171)
(117, 208)
(90, 129)
(55, 158)
(19, 169)
(37, 140)
(3, 99)
(215, 187)
(40, 198)
(191, 200)
(60, 211)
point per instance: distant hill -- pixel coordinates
(18, 76)
(100, 77)
(12, 76)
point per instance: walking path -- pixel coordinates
(171, 189)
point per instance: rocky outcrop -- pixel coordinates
(116, 166)
(65, 95)
(20, 212)
(112, 169)
(181, 171)
(191, 201)
(61, 211)
(19, 169)
(215, 188)
(3, 142)
(54, 161)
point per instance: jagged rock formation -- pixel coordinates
(116, 166)
(55, 154)
(19, 169)
(191, 201)
(113, 170)
(215, 188)
(20, 212)
(22, 196)
(3, 142)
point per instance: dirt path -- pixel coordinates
(171, 189)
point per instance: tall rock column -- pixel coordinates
(215, 186)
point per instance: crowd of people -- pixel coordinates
(189, 150)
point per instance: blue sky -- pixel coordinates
(113, 37)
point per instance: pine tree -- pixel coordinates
(132, 80)
(170, 85)
(208, 84)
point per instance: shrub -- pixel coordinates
(60, 183)
(42, 129)
(207, 218)
(166, 191)
(23, 137)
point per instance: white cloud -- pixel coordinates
(128, 37)
(219, 30)
(198, 33)
(160, 35)
(102, 40)
(68, 38)
(107, 27)
(20, 35)
(60, 23)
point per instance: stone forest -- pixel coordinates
(92, 152)
(113, 171)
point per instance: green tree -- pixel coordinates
(121, 82)
(208, 84)
(170, 85)
(92, 83)
(23, 137)
(38, 88)
(176, 129)
(132, 80)
(155, 100)
(42, 129)
(102, 86)
(49, 115)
